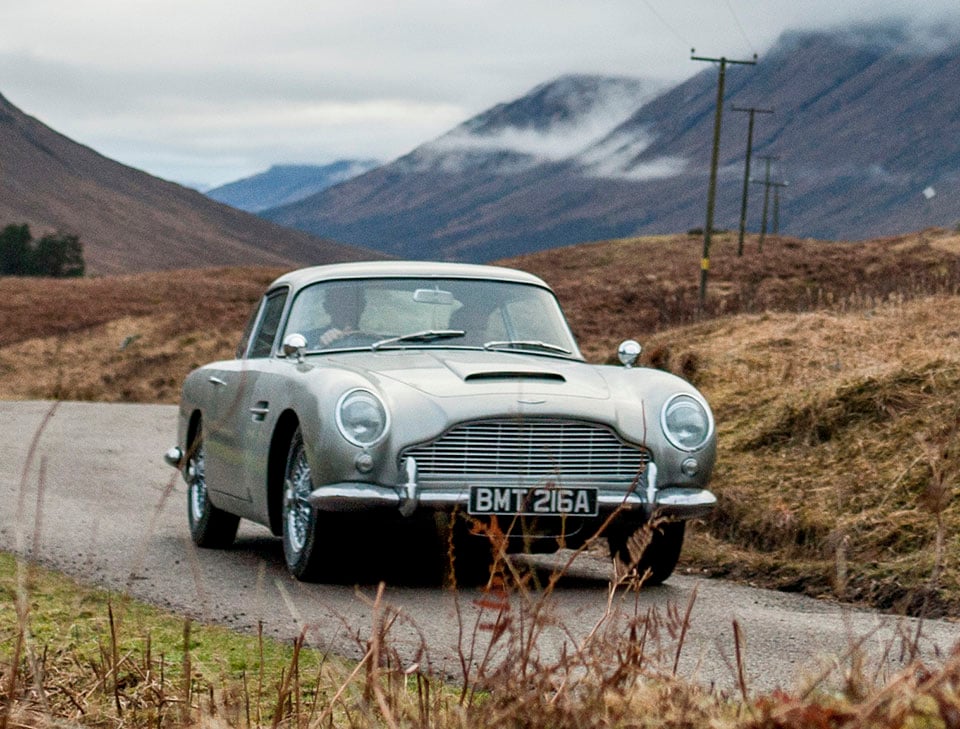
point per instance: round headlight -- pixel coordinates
(686, 422)
(361, 417)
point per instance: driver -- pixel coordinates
(343, 305)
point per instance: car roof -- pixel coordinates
(404, 269)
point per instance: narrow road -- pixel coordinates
(83, 488)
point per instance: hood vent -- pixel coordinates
(508, 375)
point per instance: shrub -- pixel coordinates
(58, 255)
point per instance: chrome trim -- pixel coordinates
(338, 415)
(685, 503)
(216, 380)
(343, 497)
(412, 499)
(677, 502)
(529, 450)
(174, 457)
(681, 503)
(671, 437)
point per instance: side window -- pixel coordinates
(248, 330)
(266, 331)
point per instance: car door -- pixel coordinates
(233, 402)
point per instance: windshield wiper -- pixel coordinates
(526, 343)
(428, 335)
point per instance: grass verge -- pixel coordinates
(73, 656)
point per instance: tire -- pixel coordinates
(471, 558)
(663, 540)
(210, 527)
(303, 538)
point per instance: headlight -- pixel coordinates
(361, 417)
(686, 422)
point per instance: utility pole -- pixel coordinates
(766, 198)
(746, 172)
(714, 160)
(776, 205)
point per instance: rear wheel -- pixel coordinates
(303, 538)
(649, 551)
(210, 527)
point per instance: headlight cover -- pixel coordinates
(362, 417)
(686, 422)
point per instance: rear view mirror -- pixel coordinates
(433, 296)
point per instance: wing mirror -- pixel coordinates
(628, 352)
(294, 345)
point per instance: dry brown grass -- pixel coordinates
(832, 426)
(834, 371)
(115, 664)
(128, 338)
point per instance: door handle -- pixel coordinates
(216, 380)
(260, 411)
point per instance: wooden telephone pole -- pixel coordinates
(776, 205)
(714, 160)
(767, 184)
(746, 172)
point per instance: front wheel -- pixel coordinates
(649, 551)
(210, 527)
(302, 540)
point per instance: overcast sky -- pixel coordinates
(207, 91)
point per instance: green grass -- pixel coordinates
(74, 656)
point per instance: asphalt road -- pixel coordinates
(83, 488)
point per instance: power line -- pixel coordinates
(666, 25)
(740, 27)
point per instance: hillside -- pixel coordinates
(833, 370)
(860, 131)
(129, 221)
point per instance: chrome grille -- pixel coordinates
(528, 449)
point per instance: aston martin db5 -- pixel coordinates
(446, 399)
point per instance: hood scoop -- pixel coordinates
(514, 375)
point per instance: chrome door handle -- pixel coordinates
(260, 411)
(216, 380)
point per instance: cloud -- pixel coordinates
(131, 77)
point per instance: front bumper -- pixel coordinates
(675, 502)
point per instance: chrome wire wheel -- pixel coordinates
(297, 512)
(209, 526)
(196, 477)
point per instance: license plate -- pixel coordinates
(510, 500)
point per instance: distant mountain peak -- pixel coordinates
(285, 184)
(553, 121)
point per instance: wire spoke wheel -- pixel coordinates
(306, 536)
(196, 477)
(297, 512)
(209, 526)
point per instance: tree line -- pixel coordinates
(59, 255)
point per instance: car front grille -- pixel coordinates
(524, 449)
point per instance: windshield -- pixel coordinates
(404, 313)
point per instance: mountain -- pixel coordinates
(285, 184)
(865, 133)
(451, 194)
(129, 221)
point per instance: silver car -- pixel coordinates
(444, 403)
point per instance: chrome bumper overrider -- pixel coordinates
(174, 457)
(681, 503)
